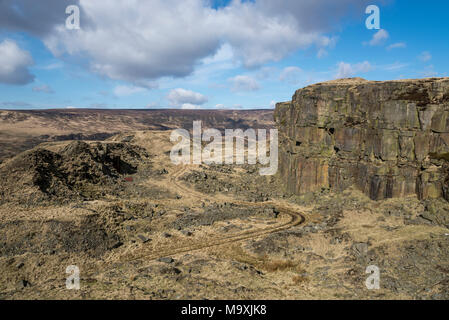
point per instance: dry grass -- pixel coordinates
(298, 279)
(279, 265)
(322, 246)
(264, 263)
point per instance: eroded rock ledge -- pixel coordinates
(387, 138)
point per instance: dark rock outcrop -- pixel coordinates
(387, 138)
(41, 174)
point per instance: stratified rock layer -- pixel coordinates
(389, 138)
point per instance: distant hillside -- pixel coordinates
(22, 130)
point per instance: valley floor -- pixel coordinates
(212, 232)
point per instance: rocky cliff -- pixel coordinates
(388, 139)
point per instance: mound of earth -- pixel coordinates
(90, 234)
(75, 171)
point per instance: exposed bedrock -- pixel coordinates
(387, 138)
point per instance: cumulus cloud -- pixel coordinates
(147, 84)
(305, 12)
(135, 40)
(14, 63)
(186, 98)
(244, 83)
(25, 15)
(189, 106)
(259, 35)
(152, 39)
(346, 70)
(229, 107)
(43, 88)
(379, 37)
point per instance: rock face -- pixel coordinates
(389, 139)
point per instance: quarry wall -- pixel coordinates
(388, 139)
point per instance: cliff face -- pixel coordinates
(389, 139)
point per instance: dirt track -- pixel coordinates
(295, 219)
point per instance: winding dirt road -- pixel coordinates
(296, 218)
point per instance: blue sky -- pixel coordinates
(203, 55)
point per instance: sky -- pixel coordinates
(204, 54)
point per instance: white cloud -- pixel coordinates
(140, 39)
(346, 70)
(224, 53)
(364, 66)
(395, 66)
(189, 106)
(123, 91)
(379, 38)
(181, 97)
(14, 64)
(144, 40)
(43, 88)
(326, 43)
(244, 83)
(425, 56)
(291, 75)
(225, 107)
(147, 84)
(321, 53)
(397, 45)
(273, 104)
(25, 15)
(259, 34)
